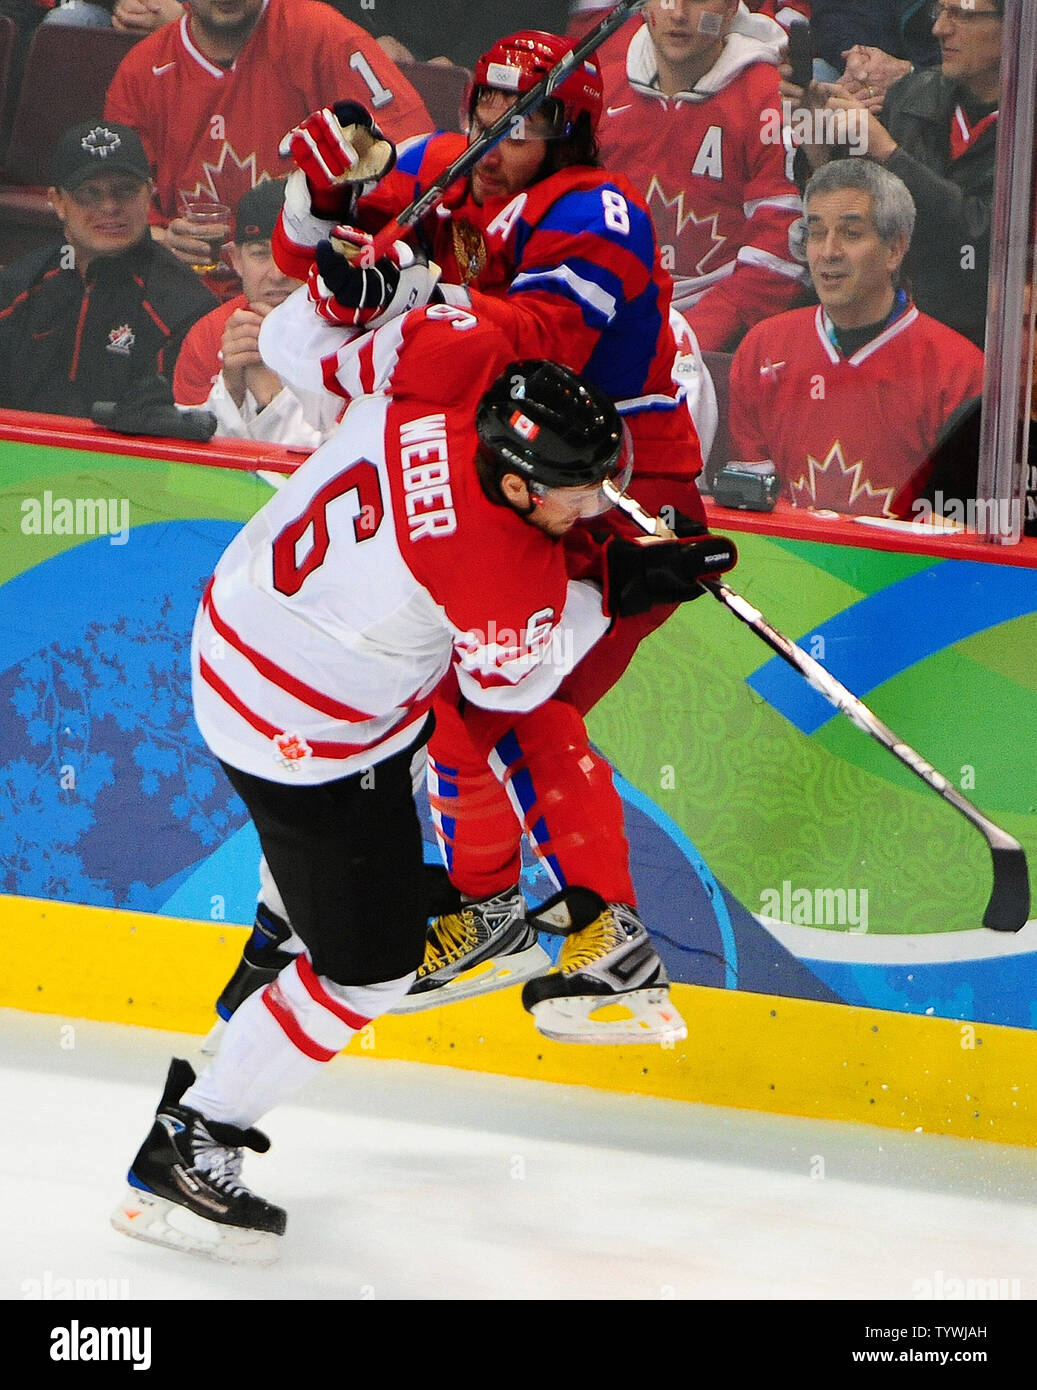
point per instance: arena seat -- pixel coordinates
(441, 88)
(67, 72)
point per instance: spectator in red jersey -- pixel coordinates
(847, 401)
(220, 367)
(937, 131)
(212, 95)
(693, 117)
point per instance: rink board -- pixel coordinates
(803, 888)
(757, 1052)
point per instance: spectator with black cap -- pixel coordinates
(85, 318)
(220, 366)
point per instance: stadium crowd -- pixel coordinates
(701, 111)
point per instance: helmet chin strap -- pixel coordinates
(534, 502)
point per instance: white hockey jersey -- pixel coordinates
(337, 610)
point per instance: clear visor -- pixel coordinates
(591, 500)
(546, 123)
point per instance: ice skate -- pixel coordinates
(608, 986)
(184, 1186)
(261, 961)
(483, 946)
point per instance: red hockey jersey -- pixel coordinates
(198, 364)
(714, 166)
(568, 269)
(337, 610)
(848, 434)
(217, 130)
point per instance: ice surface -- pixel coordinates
(404, 1181)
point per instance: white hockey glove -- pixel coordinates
(338, 148)
(346, 287)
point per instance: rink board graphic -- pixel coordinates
(753, 1051)
(741, 789)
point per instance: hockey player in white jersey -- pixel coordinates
(419, 545)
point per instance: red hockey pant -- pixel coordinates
(493, 777)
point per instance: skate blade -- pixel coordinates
(640, 1016)
(484, 978)
(147, 1216)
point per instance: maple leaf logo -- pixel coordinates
(695, 240)
(229, 178)
(121, 340)
(101, 141)
(291, 748)
(840, 487)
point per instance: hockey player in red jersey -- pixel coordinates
(542, 241)
(693, 116)
(561, 255)
(421, 542)
(847, 401)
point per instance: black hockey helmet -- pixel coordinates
(552, 428)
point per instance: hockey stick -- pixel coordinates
(525, 104)
(1009, 906)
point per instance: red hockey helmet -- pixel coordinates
(516, 63)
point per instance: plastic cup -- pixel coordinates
(210, 222)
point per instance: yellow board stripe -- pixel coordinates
(753, 1051)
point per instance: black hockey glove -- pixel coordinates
(640, 575)
(146, 407)
(345, 290)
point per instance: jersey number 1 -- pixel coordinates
(379, 95)
(361, 478)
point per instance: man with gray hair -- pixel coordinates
(937, 130)
(847, 400)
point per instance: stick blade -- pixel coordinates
(1009, 905)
